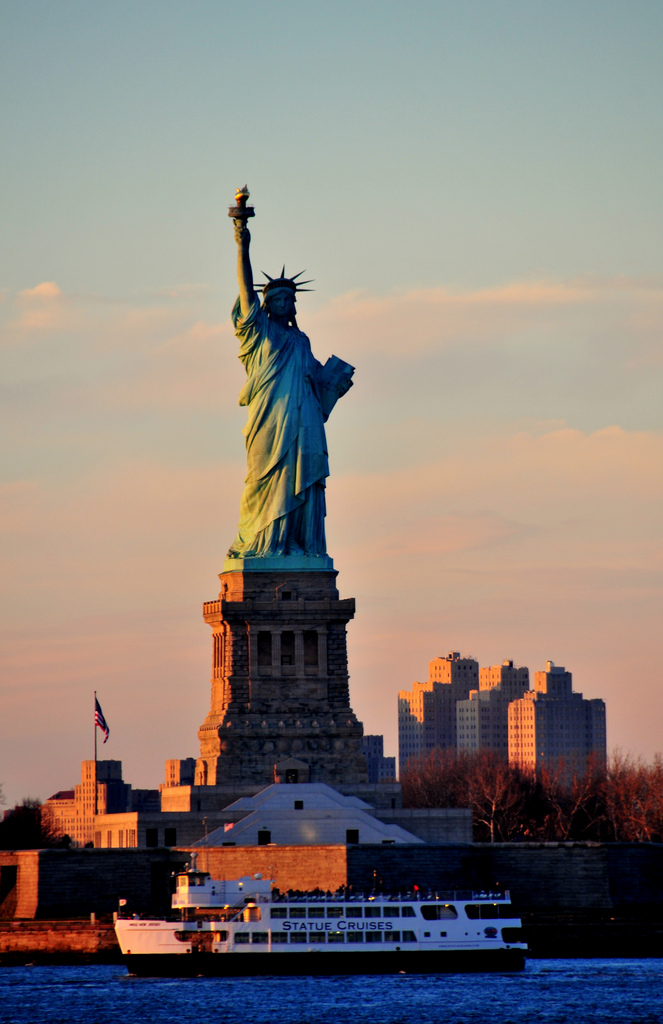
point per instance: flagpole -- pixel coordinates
(95, 753)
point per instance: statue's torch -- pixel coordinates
(241, 211)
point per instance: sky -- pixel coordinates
(476, 190)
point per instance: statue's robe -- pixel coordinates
(282, 511)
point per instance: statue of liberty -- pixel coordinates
(289, 396)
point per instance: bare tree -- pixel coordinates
(563, 801)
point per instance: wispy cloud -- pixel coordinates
(401, 324)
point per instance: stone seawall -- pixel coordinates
(54, 942)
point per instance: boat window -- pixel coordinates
(242, 938)
(300, 938)
(513, 935)
(372, 911)
(392, 936)
(408, 937)
(335, 937)
(472, 911)
(374, 936)
(355, 936)
(279, 937)
(278, 912)
(297, 911)
(317, 936)
(316, 911)
(437, 911)
(252, 914)
(489, 911)
(391, 911)
(353, 911)
(407, 912)
(221, 936)
(259, 938)
(334, 911)
(507, 911)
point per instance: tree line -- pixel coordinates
(619, 802)
(27, 826)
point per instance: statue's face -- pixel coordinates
(281, 304)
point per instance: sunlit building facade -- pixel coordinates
(101, 791)
(482, 721)
(552, 725)
(427, 712)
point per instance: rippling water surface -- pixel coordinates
(559, 991)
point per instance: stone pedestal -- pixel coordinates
(279, 682)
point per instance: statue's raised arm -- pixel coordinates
(289, 396)
(240, 214)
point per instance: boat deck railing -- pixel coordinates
(413, 896)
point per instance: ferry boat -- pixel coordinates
(245, 927)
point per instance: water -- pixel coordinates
(548, 991)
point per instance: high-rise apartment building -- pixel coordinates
(101, 791)
(179, 772)
(551, 724)
(482, 721)
(380, 768)
(427, 713)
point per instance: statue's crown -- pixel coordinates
(282, 281)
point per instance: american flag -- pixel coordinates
(100, 720)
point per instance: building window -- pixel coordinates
(264, 649)
(287, 647)
(291, 775)
(310, 648)
(120, 838)
(264, 837)
(151, 836)
(109, 839)
(299, 805)
(352, 835)
(170, 837)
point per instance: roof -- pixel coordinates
(306, 814)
